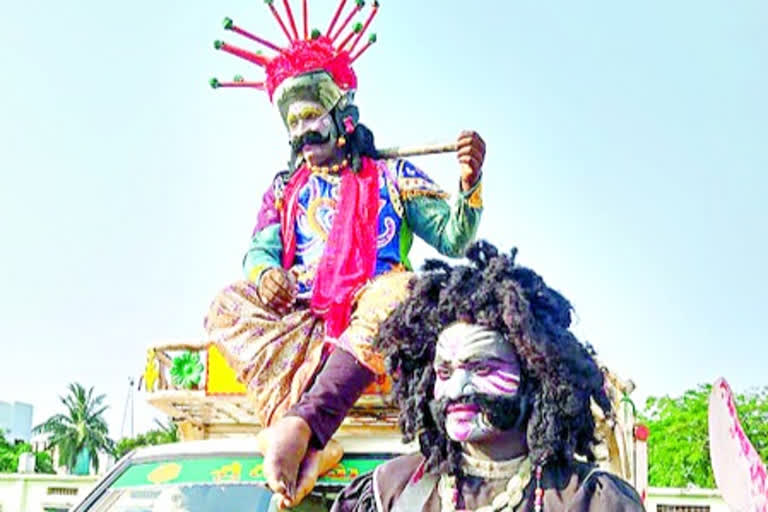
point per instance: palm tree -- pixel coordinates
(81, 431)
(169, 430)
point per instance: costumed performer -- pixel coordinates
(328, 259)
(497, 391)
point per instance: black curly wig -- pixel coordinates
(559, 375)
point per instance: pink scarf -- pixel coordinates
(349, 258)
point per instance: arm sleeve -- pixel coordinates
(335, 390)
(610, 493)
(449, 228)
(382, 489)
(265, 250)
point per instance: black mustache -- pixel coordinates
(503, 412)
(309, 138)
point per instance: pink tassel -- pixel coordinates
(538, 500)
(349, 125)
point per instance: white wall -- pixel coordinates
(33, 493)
(688, 497)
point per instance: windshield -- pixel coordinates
(186, 498)
(215, 484)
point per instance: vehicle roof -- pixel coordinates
(248, 446)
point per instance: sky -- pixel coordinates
(627, 161)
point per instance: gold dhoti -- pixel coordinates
(277, 356)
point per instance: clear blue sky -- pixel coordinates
(627, 160)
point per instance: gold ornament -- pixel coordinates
(325, 169)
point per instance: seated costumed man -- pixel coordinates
(328, 259)
(497, 392)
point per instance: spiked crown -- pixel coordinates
(315, 51)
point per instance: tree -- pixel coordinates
(82, 430)
(165, 433)
(678, 447)
(10, 453)
(9, 456)
(44, 463)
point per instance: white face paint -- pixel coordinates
(472, 359)
(309, 116)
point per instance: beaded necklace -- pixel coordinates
(506, 501)
(490, 469)
(329, 169)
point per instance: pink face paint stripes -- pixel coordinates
(492, 386)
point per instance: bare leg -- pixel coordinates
(285, 444)
(290, 464)
(291, 468)
(316, 463)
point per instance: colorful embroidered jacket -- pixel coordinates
(409, 203)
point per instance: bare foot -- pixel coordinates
(286, 443)
(315, 464)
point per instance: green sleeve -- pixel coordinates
(265, 252)
(448, 228)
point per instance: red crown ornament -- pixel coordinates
(314, 51)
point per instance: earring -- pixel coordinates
(341, 142)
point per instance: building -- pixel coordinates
(691, 499)
(16, 421)
(42, 493)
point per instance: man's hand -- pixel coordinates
(277, 289)
(471, 154)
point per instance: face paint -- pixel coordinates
(469, 360)
(306, 116)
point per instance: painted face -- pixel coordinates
(305, 117)
(469, 360)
